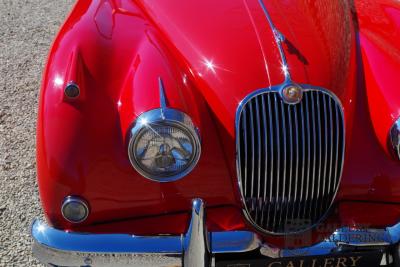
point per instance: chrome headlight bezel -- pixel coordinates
(395, 138)
(165, 117)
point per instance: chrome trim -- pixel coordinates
(171, 117)
(278, 89)
(62, 248)
(197, 246)
(279, 38)
(163, 99)
(343, 239)
(278, 157)
(282, 113)
(286, 94)
(395, 138)
(79, 200)
(314, 153)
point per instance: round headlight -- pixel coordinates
(395, 138)
(164, 145)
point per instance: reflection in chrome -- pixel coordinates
(197, 242)
(164, 144)
(62, 248)
(395, 138)
(344, 240)
(279, 38)
(288, 186)
(285, 70)
(292, 94)
(163, 99)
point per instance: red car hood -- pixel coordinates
(231, 51)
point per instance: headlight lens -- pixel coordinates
(395, 138)
(164, 145)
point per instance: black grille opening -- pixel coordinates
(290, 159)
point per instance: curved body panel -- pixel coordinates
(210, 56)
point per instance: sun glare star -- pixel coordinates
(285, 69)
(210, 65)
(143, 122)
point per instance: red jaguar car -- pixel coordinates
(228, 133)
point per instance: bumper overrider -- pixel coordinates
(198, 247)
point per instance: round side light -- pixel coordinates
(75, 209)
(72, 90)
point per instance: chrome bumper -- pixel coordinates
(194, 249)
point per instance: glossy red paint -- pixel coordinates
(379, 27)
(210, 55)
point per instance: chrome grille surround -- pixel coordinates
(290, 190)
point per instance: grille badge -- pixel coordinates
(292, 94)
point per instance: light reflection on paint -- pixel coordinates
(58, 81)
(210, 65)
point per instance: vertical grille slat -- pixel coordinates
(325, 134)
(303, 165)
(296, 160)
(331, 145)
(259, 140)
(272, 156)
(244, 127)
(290, 159)
(283, 168)
(252, 155)
(314, 162)
(337, 143)
(289, 193)
(307, 207)
(278, 159)
(265, 138)
(319, 160)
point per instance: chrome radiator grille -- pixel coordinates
(290, 159)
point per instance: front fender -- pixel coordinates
(116, 57)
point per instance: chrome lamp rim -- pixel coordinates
(395, 138)
(70, 199)
(168, 117)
